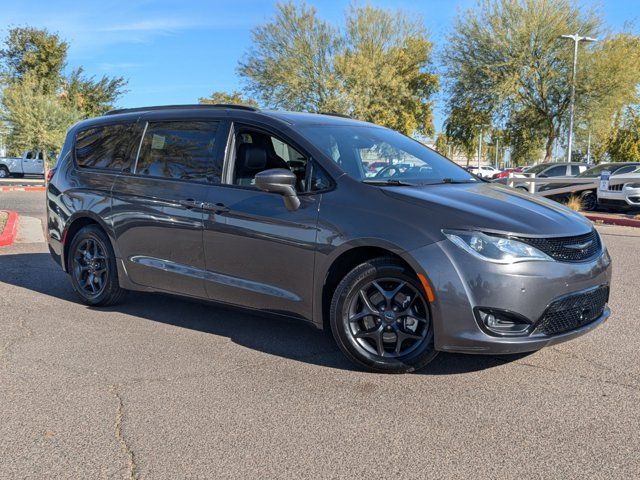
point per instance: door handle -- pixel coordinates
(215, 207)
(189, 203)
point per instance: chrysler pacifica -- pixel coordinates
(284, 213)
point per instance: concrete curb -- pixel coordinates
(39, 188)
(8, 235)
(623, 222)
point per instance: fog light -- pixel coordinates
(501, 322)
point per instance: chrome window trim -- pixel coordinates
(135, 165)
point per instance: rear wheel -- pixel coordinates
(92, 266)
(4, 172)
(380, 318)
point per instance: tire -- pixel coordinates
(98, 260)
(589, 200)
(4, 172)
(360, 339)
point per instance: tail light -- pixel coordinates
(50, 174)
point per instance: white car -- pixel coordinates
(484, 171)
(620, 190)
(31, 163)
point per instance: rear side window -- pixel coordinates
(184, 150)
(110, 147)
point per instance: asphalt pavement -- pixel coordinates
(161, 387)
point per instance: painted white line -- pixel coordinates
(29, 230)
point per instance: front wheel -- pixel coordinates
(589, 201)
(92, 266)
(380, 318)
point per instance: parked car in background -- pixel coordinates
(506, 172)
(620, 191)
(484, 171)
(274, 211)
(587, 192)
(545, 170)
(31, 163)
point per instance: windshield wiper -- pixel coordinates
(451, 180)
(391, 182)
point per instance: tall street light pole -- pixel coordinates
(576, 40)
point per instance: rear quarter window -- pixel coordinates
(110, 147)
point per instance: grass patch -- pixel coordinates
(3, 220)
(574, 203)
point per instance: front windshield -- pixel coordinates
(537, 168)
(374, 154)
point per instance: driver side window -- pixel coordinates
(256, 151)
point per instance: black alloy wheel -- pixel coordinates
(381, 319)
(92, 266)
(589, 201)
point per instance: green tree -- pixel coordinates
(290, 64)
(35, 52)
(505, 56)
(442, 144)
(39, 102)
(624, 143)
(38, 120)
(523, 135)
(233, 98)
(463, 126)
(92, 97)
(378, 69)
(385, 71)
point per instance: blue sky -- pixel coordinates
(176, 51)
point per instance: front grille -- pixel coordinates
(567, 249)
(573, 311)
(616, 188)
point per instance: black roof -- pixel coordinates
(285, 117)
(196, 106)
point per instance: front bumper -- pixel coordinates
(462, 282)
(628, 195)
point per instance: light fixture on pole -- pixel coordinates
(576, 40)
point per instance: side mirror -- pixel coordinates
(282, 181)
(543, 175)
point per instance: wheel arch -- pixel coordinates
(78, 221)
(342, 261)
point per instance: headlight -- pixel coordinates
(632, 185)
(495, 249)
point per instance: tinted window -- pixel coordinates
(180, 150)
(556, 171)
(109, 146)
(623, 170)
(575, 169)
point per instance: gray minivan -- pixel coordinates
(289, 213)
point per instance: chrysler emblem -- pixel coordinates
(580, 246)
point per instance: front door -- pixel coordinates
(263, 254)
(157, 210)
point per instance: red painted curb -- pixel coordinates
(8, 235)
(623, 222)
(23, 189)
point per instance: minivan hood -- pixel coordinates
(492, 207)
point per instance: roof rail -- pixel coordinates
(195, 106)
